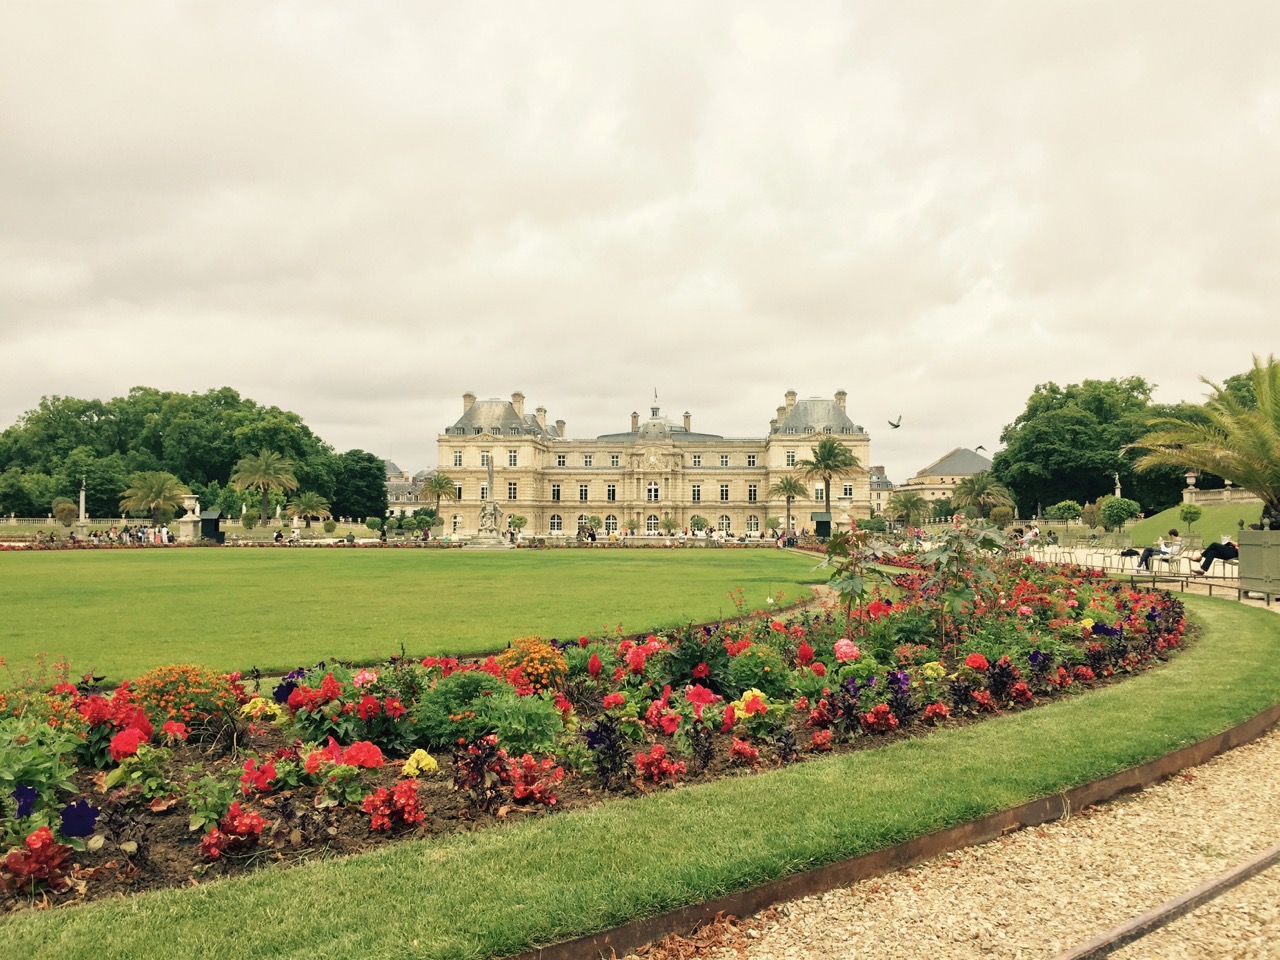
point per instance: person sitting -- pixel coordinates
(1226, 550)
(1165, 549)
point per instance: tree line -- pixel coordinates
(198, 438)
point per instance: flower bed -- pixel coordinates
(186, 774)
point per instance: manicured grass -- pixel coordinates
(1217, 520)
(502, 890)
(120, 612)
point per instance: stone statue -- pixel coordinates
(490, 515)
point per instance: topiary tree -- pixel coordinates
(1116, 510)
(373, 523)
(65, 512)
(1002, 516)
(1090, 514)
(1064, 510)
(249, 520)
(1189, 513)
(330, 525)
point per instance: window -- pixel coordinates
(457, 492)
(651, 493)
(512, 458)
(555, 491)
(697, 459)
(751, 459)
(582, 491)
(791, 458)
(496, 431)
(615, 461)
(484, 458)
(611, 492)
(753, 524)
(457, 458)
(478, 430)
(484, 491)
(848, 489)
(753, 490)
(586, 459)
(396, 498)
(557, 524)
(826, 429)
(818, 494)
(724, 525)
(651, 523)
(724, 492)
(511, 491)
(724, 459)
(513, 431)
(611, 524)
(457, 522)
(559, 459)
(584, 522)
(696, 493)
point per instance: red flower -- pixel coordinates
(613, 700)
(821, 740)
(975, 661)
(819, 669)
(594, 666)
(755, 704)
(330, 689)
(701, 671)
(804, 655)
(175, 729)
(126, 743)
(393, 708)
(730, 718)
(369, 707)
(362, 753)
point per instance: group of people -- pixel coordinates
(1224, 549)
(139, 534)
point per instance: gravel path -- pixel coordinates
(1040, 891)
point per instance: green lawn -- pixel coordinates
(120, 612)
(1217, 520)
(502, 890)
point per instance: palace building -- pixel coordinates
(658, 474)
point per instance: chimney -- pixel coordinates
(635, 421)
(688, 419)
(773, 424)
(841, 396)
(782, 414)
(541, 414)
(791, 400)
(468, 401)
(517, 401)
(560, 427)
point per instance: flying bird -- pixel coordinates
(896, 423)
(978, 447)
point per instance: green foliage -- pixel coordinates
(35, 755)
(1115, 511)
(522, 724)
(330, 525)
(308, 506)
(448, 711)
(874, 524)
(249, 520)
(1064, 510)
(153, 492)
(697, 523)
(360, 485)
(208, 799)
(66, 512)
(983, 491)
(1091, 515)
(909, 506)
(790, 488)
(1002, 516)
(1189, 513)
(373, 523)
(147, 770)
(762, 667)
(669, 524)
(264, 471)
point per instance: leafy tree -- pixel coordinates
(1002, 516)
(1091, 514)
(266, 471)
(942, 508)
(154, 491)
(65, 512)
(1189, 513)
(790, 488)
(908, 505)
(981, 490)
(517, 522)
(330, 525)
(1069, 443)
(1229, 437)
(697, 523)
(1114, 511)
(360, 485)
(874, 524)
(309, 506)
(831, 460)
(249, 520)
(373, 523)
(1064, 510)
(14, 497)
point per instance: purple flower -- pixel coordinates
(281, 693)
(1039, 660)
(901, 680)
(26, 797)
(79, 818)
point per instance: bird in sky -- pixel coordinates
(896, 423)
(978, 447)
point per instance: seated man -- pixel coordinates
(1226, 550)
(1164, 548)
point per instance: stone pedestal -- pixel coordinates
(189, 525)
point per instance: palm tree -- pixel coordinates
(308, 506)
(1229, 437)
(441, 487)
(831, 459)
(266, 472)
(909, 504)
(154, 490)
(791, 488)
(981, 490)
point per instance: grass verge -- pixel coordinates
(499, 891)
(120, 612)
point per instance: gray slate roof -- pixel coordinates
(485, 416)
(814, 416)
(960, 462)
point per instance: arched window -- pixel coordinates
(753, 524)
(557, 524)
(725, 524)
(651, 523)
(583, 521)
(651, 492)
(611, 524)
(457, 522)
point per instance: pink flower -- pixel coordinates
(365, 677)
(847, 650)
(1024, 611)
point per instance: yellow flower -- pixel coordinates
(933, 671)
(260, 707)
(419, 762)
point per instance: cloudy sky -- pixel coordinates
(360, 211)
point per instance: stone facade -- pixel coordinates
(939, 479)
(657, 469)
